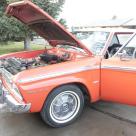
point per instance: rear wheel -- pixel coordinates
(63, 106)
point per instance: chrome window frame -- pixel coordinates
(127, 42)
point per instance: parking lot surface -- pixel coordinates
(91, 123)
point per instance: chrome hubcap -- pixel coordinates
(64, 107)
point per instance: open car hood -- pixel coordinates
(42, 23)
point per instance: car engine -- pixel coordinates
(15, 65)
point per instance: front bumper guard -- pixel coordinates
(9, 104)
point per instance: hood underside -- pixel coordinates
(42, 23)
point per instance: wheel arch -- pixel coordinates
(82, 86)
(46, 114)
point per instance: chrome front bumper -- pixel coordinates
(9, 104)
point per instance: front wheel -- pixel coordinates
(63, 106)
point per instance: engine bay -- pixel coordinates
(15, 65)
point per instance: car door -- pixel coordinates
(118, 76)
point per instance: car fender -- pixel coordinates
(37, 92)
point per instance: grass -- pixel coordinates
(16, 47)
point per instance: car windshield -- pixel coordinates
(93, 40)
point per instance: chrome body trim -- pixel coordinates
(56, 74)
(120, 68)
(9, 104)
(7, 75)
(103, 51)
(96, 82)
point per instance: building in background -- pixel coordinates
(111, 23)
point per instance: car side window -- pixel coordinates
(123, 38)
(114, 46)
(129, 51)
(114, 40)
(118, 40)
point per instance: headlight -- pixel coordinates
(16, 91)
(12, 86)
(0, 87)
(0, 83)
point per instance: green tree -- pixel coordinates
(63, 22)
(12, 29)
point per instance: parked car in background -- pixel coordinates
(57, 81)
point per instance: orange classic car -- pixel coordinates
(56, 82)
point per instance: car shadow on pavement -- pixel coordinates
(91, 122)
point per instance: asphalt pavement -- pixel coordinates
(96, 120)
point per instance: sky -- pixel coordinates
(83, 12)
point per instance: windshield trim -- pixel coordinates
(103, 51)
